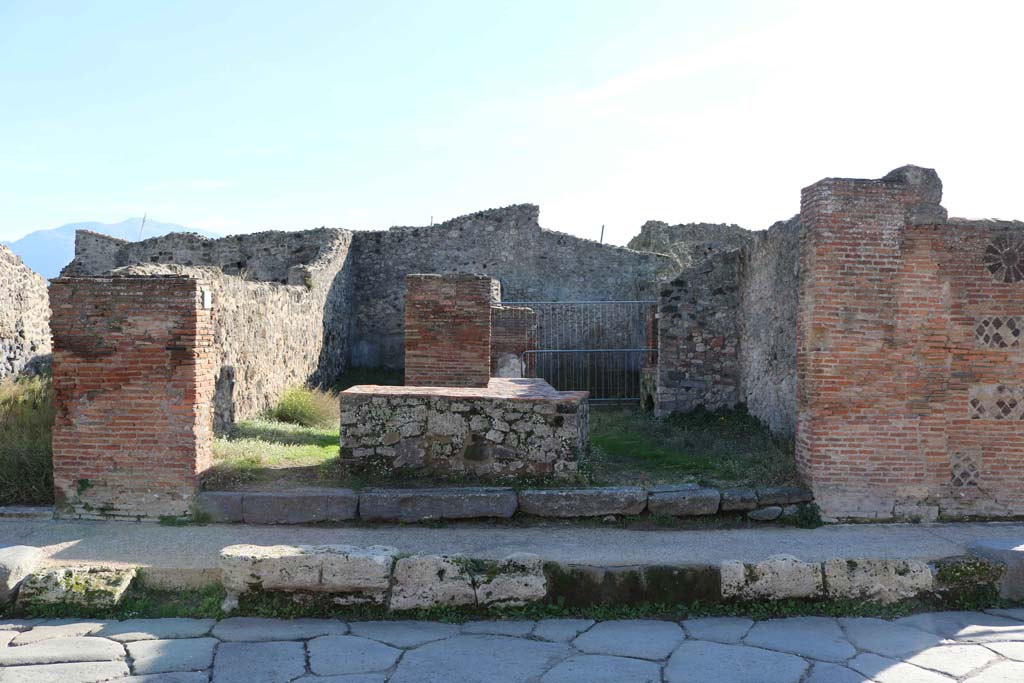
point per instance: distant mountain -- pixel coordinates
(47, 251)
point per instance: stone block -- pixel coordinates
(766, 514)
(738, 499)
(220, 506)
(589, 502)
(700, 501)
(783, 495)
(355, 575)
(87, 586)
(1009, 553)
(877, 579)
(777, 577)
(342, 505)
(16, 562)
(285, 507)
(424, 581)
(417, 505)
(516, 580)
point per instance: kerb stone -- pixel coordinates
(877, 579)
(417, 505)
(16, 562)
(700, 501)
(590, 502)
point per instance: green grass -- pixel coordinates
(307, 407)
(26, 422)
(728, 447)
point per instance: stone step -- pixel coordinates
(308, 506)
(1009, 553)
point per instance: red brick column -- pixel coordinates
(910, 378)
(448, 330)
(133, 373)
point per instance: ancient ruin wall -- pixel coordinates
(769, 282)
(24, 316)
(690, 243)
(289, 328)
(910, 369)
(133, 368)
(507, 244)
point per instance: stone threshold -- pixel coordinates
(327, 505)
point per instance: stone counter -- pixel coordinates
(510, 428)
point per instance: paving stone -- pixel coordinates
(7, 636)
(692, 503)
(87, 586)
(1016, 613)
(816, 637)
(783, 495)
(833, 673)
(269, 662)
(176, 677)
(404, 633)
(696, 661)
(478, 659)
(738, 499)
(954, 660)
(641, 638)
(79, 672)
(886, 637)
(19, 624)
(561, 630)
(512, 628)
(66, 630)
(766, 514)
(516, 580)
(1009, 553)
(354, 678)
(16, 562)
(584, 502)
(417, 505)
(778, 576)
(1003, 672)
(180, 654)
(885, 670)
(430, 580)
(974, 627)
(155, 629)
(718, 629)
(603, 669)
(883, 580)
(333, 655)
(57, 650)
(1011, 650)
(220, 506)
(291, 507)
(251, 629)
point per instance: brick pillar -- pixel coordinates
(133, 374)
(448, 330)
(513, 333)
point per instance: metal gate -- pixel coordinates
(598, 346)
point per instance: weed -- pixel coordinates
(26, 422)
(307, 407)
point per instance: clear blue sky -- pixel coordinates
(242, 116)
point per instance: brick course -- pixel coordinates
(448, 330)
(903, 408)
(133, 373)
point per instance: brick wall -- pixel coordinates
(513, 332)
(910, 378)
(448, 330)
(133, 373)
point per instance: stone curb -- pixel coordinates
(306, 506)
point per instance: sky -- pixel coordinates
(243, 116)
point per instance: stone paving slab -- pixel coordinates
(794, 650)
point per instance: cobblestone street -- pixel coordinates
(975, 647)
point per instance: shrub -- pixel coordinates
(307, 407)
(26, 421)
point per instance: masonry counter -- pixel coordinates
(510, 428)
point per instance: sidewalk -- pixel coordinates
(943, 647)
(192, 551)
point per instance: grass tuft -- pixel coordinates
(26, 422)
(307, 407)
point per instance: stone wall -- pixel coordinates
(769, 282)
(690, 243)
(910, 372)
(508, 244)
(511, 428)
(24, 316)
(270, 334)
(133, 376)
(448, 330)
